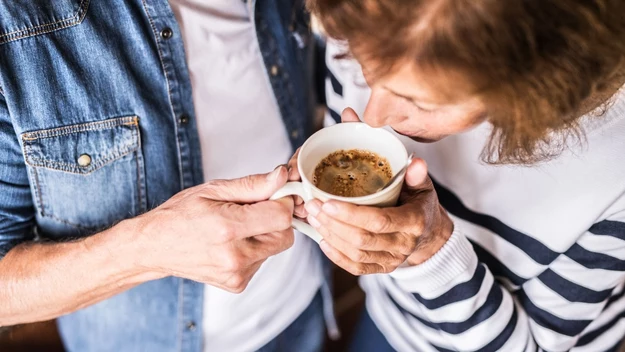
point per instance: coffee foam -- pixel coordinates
(352, 173)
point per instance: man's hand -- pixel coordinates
(220, 232)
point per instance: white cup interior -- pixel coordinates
(345, 136)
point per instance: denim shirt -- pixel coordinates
(97, 125)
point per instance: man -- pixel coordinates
(99, 123)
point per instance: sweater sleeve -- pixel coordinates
(454, 301)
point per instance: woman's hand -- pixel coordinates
(369, 240)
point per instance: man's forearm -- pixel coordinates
(40, 281)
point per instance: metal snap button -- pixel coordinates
(166, 33)
(274, 70)
(183, 119)
(84, 160)
(294, 134)
(191, 326)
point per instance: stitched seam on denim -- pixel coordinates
(1, 91)
(180, 313)
(38, 193)
(169, 93)
(69, 223)
(47, 27)
(73, 169)
(139, 202)
(28, 137)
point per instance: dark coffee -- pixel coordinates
(352, 173)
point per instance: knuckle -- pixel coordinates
(382, 223)
(233, 263)
(357, 270)
(225, 231)
(363, 239)
(237, 283)
(360, 256)
(283, 217)
(386, 269)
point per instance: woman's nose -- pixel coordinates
(381, 110)
(375, 114)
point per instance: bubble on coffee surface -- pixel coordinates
(352, 173)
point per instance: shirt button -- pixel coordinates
(274, 70)
(84, 160)
(191, 326)
(294, 134)
(166, 33)
(183, 119)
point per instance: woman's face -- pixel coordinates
(409, 102)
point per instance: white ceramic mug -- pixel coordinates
(345, 136)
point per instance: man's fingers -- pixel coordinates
(349, 115)
(294, 174)
(232, 221)
(266, 245)
(249, 189)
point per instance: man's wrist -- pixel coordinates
(127, 250)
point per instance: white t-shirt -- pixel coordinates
(241, 133)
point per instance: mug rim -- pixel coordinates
(351, 199)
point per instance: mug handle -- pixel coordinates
(297, 189)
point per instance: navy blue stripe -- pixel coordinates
(594, 260)
(614, 298)
(570, 291)
(592, 335)
(458, 293)
(335, 115)
(550, 321)
(532, 247)
(504, 336)
(609, 228)
(493, 302)
(441, 349)
(337, 87)
(495, 266)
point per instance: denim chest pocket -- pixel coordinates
(26, 18)
(87, 176)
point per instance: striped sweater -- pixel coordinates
(537, 257)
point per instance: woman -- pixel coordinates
(517, 240)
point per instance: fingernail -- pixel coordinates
(324, 245)
(313, 222)
(312, 208)
(330, 209)
(274, 174)
(289, 169)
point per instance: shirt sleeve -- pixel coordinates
(456, 296)
(16, 205)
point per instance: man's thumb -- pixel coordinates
(250, 189)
